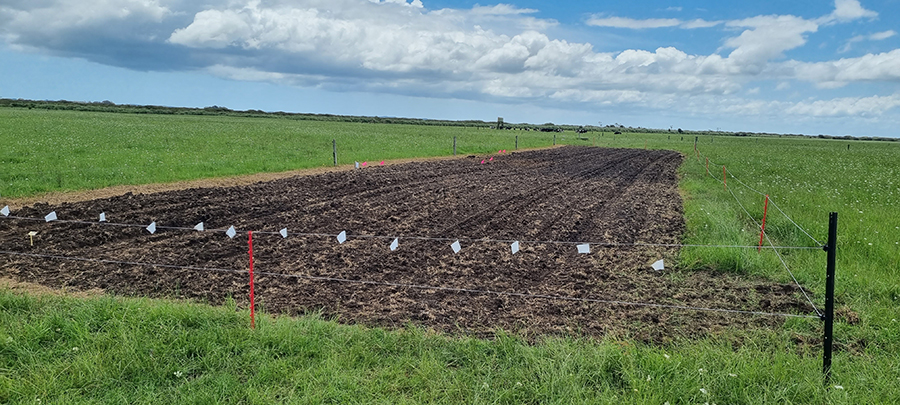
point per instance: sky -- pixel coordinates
(808, 67)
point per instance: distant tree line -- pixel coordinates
(110, 107)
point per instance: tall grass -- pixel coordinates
(146, 351)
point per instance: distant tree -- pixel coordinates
(680, 131)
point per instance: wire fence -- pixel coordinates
(583, 247)
(774, 248)
(413, 286)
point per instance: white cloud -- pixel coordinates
(881, 36)
(47, 17)
(768, 38)
(502, 9)
(847, 106)
(884, 67)
(497, 52)
(848, 10)
(878, 36)
(700, 23)
(622, 22)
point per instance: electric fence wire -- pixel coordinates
(771, 200)
(422, 238)
(777, 254)
(415, 286)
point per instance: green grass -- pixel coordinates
(45, 150)
(117, 350)
(132, 350)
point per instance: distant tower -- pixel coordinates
(499, 122)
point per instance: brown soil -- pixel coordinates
(569, 194)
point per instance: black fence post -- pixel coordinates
(828, 317)
(334, 150)
(554, 139)
(454, 146)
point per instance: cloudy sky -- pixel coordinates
(803, 66)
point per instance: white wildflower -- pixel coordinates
(649, 378)
(178, 374)
(666, 356)
(732, 375)
(74, 349)
(704, 391)
(840, 387)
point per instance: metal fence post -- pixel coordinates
(828, 317)
(334, 150)
(454, 146)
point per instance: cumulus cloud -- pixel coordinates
(848, 10)
(495, 52)
(768, 38)
(882, 67)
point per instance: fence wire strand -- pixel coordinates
(766, 235)
(771, 200)
(424, 238)
(416, 286)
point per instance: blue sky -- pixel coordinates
(811, 67)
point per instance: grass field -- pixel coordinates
(134, 350)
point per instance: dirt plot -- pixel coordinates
(570, 194)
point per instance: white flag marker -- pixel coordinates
(283, 233)
(151, 228)
(514, 247)
(50, 217)
(584, 248)
(102, 217)
(658, 265)
(395, 244)
(342, 237)
(199, 227)
(357, 165)
(5, 211)
(231, 232)
(456, 247)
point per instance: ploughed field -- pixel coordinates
(540, 198)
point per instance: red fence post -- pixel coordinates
(252, 302)
(763, 231)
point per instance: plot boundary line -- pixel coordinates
(417, 286)
(391, 237)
